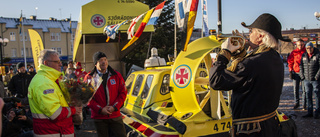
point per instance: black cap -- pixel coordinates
(269, 23)
(97, 56)
(19, 65)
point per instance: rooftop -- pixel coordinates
(43, 24)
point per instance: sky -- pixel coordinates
(295, 14)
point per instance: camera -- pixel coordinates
(19, 111)
(13, 103)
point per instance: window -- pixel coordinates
(27, 52)
(22, 53)
(59, 51)
(72, 37)
(31, 52)
(12, 36)
(146, 88)
(58, 38)
(129, 82)
(52, 37)
(165, 85)
(54, 48)
(20, 36)
(25, 36)
(71, 48)
(13, 52)
(137, 85)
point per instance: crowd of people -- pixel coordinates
(32, 105)
(35, 105)
(304, 68)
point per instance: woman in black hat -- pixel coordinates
(256, 79)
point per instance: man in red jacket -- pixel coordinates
(110, 96)
(294, 60)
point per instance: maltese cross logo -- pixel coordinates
(182, 76)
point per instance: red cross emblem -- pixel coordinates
(182, 76)
(98, 21)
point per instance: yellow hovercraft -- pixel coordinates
(175, 99)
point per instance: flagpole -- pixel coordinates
(202, 19)
(149, 45)
(70, 38)
(175, 37)
(24, 43)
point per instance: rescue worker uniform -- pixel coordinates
(112, 92)
(51, 114)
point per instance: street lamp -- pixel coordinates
(3, 42)
(317, 15)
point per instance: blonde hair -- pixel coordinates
(268, 40)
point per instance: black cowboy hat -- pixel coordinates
(269, 23)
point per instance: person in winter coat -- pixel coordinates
(51, 113)
(310, 72)
(31, 71)
(294, 60)
(108, 99)
(255, 79)
(19, 83)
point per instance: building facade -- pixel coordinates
(55, 34)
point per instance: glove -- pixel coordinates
(291, 75)
(228, 46)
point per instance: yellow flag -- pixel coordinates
(140, 29)
(37, 46)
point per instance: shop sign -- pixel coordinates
(313, 35)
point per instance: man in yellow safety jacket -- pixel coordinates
(51, 114)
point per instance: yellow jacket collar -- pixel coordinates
(50, 72)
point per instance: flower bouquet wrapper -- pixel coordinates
(78, 93)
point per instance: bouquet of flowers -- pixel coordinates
(78, 93)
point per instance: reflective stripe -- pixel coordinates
(56, 114)
(69, 135)
(39, 116)
(69, 113)
(48, 135)
(54, 135)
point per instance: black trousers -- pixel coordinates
(114, 125)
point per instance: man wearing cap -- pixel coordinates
(255, 80)
(19, 83)
(294, 60)
(108, 99)
(31, 71)
(310, 72)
